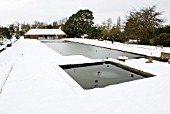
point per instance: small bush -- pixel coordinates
(162, 39)
(164, 59)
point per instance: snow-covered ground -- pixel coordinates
(31, 82)
(2, 47)
(154, 51)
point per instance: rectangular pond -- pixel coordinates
(99, 75)
(66, 48)
(94, 75)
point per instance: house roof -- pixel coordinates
(45, 32)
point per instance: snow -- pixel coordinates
(122, 57)
(154, 51)
(33, 83)
(45, 32)
(2, 47)
(77, 59)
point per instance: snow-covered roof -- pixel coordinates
(45, 32)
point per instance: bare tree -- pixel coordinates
(141, 24)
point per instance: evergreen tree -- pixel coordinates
(79, 24)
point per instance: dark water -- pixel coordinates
(98, 76)
(93, 52)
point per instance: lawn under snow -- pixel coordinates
(33, 83)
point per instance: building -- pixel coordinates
(45, 34)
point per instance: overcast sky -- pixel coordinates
(12, 11)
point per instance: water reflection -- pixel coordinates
(90, 77)
(96, 76)
(93, 52)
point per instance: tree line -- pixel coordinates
(144, 25)
(19, 29)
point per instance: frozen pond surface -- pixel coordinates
(101, 75)
(93, 52)
(96, 76)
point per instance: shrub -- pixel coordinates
(163, 59)
(162, 39)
